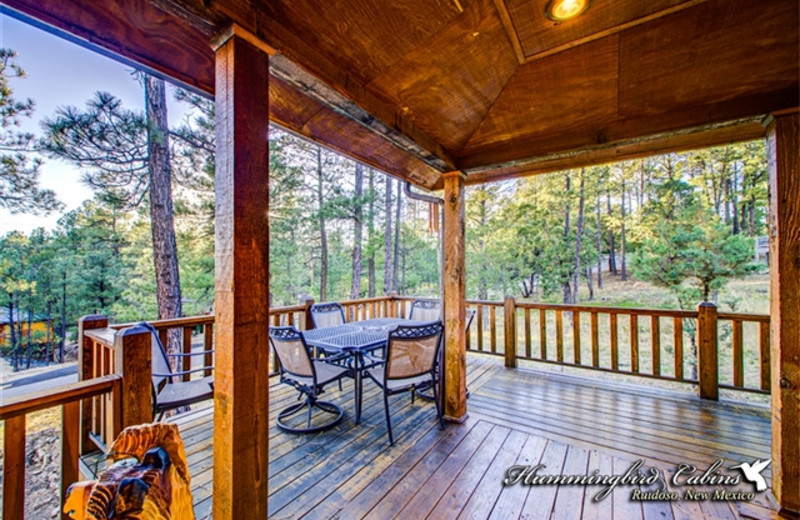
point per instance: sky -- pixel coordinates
(61, 73)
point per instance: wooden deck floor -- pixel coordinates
(574, 425)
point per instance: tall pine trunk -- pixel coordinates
(371, 231)
(599, 247)
(30, 342)
(63, 341)
(396, 261)
(323, 233)
(622, 236)
(358, 216)
(13, 331)
(483, 284)
(612, 250)
(165, 251)
(578, 234)
(387, 240)
(565, 283)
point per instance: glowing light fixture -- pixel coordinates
(562, 10)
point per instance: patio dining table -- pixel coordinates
(355, 338)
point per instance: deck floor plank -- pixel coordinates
(523, 416)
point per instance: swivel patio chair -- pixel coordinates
(410, 365)
(170, 392)
(309, 376)
(328, 314)
(425, 310)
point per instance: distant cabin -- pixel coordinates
(39, 326)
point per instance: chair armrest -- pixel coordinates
(201, 353)
(333, 359)
(183, 372)
(375, 360)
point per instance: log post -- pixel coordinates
(454, 312)
(133, 361)
(307, 302)
(707, 358)
(510, 331)
(241, 381)
(86, 372)
(783, 166)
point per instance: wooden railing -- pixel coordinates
(701, 347)
(713, 350)
(68, 397)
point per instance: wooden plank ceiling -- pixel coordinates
(421, 87)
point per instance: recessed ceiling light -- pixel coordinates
(561, 10)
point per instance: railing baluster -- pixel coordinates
(614, 342)
(527, 333)
(764, 346)
(738, 354)
(290, 319)
(634, 343)
(543, 334)
(655, 343)
(493, 328)
(208, 345)
(560, 336)
(14, 468)
(576, 337)
(595, 342)
(480, 328)
(187, 349)
(677, 331)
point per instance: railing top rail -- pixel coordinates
(369, 300)
(104, 336)
(188, 321)
(290, 308)
(743, 316)
(668, 313)
(60, 395)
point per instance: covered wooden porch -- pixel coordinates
(526, 416)
(444, 94)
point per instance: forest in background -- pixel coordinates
(339, 230)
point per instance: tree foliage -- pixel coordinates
(19, 171)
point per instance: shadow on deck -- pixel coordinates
(573, 425)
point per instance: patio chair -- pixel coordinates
(425, 310)
(328, 314)
(410, 365)
(470, 315)
(170, 392)
(309, 376)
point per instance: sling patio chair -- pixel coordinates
(170, 392)
(410, 365)
(309, 376)
(328, 314)
(425, 310)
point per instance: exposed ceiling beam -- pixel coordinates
(681, 140)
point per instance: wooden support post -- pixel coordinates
(70, 447)
(241, 380)
(707, 358)
(455, 354)
(14, 468)
(307, 302)
(783, 166)
(86, 372)
(133, 360)
(510, 332)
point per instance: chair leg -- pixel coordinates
(388, 419)
(438, 404)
